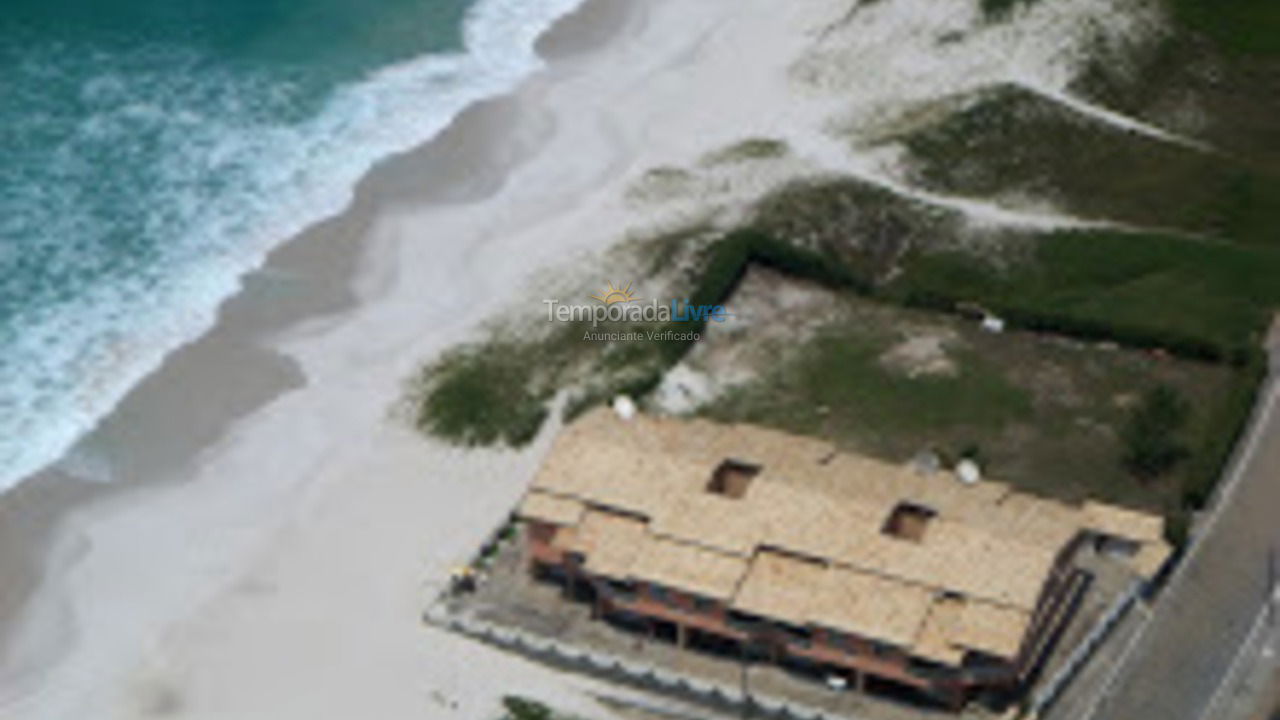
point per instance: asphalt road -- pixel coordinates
(1204, 614)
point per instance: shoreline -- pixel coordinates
(306, 282)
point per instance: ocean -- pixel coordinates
(154, 151)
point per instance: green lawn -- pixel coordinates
(1206, 299)
(1042, 413)
(1243, 27)
(838, 388)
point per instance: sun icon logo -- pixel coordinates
(616, 295)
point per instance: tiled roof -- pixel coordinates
(806, 543)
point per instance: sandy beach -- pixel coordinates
(272, 531)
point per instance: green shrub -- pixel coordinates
(1177, 527)
(1229, 421)
(482, 395)
(749, 149)
(519, 708)
(1151, 435)
(996, 9)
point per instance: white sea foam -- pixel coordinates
(67, 364)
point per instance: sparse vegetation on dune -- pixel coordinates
(1211, 74)
(516, 707)
(485, 394)
(749, 149)
(864, 227)
(998, 9)
(1008, 142)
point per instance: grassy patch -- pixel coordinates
(1044, 414)
(662, 184)
(663, 251)
(1241, 27)
(997, 9)
(749, 149)
(1011, 141)
(485, 394)
(1213, 77)
(516, 707)
(1199, 299)
(864, 227)
(838, 388)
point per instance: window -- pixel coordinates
(882, 650)
(662, 595)
(981, 667)
(703, 605)
(842, 642)
(621, 588)
(732, 478)
(930, 669)
(797, 635)
(908, 521)
(743, 621)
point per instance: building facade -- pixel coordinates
(755, 544)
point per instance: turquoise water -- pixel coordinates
(154, 150)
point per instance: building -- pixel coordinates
(752, 542)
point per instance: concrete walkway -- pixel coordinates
(1185, 655)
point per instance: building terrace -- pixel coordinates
(742, 538)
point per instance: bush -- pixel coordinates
(749, 149)
(1177, 527)
(482, 395)
(519, 708)
(1230, 420)
(1151, 442)
(998, 9)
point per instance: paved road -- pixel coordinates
(1253, 690)
(1203, 616)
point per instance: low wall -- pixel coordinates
(1051, 689)
(616, 669)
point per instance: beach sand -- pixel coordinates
(272, 532)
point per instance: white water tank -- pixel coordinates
(624, 406)
(968, 472)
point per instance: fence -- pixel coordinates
(1049, 691)
(615, 669)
